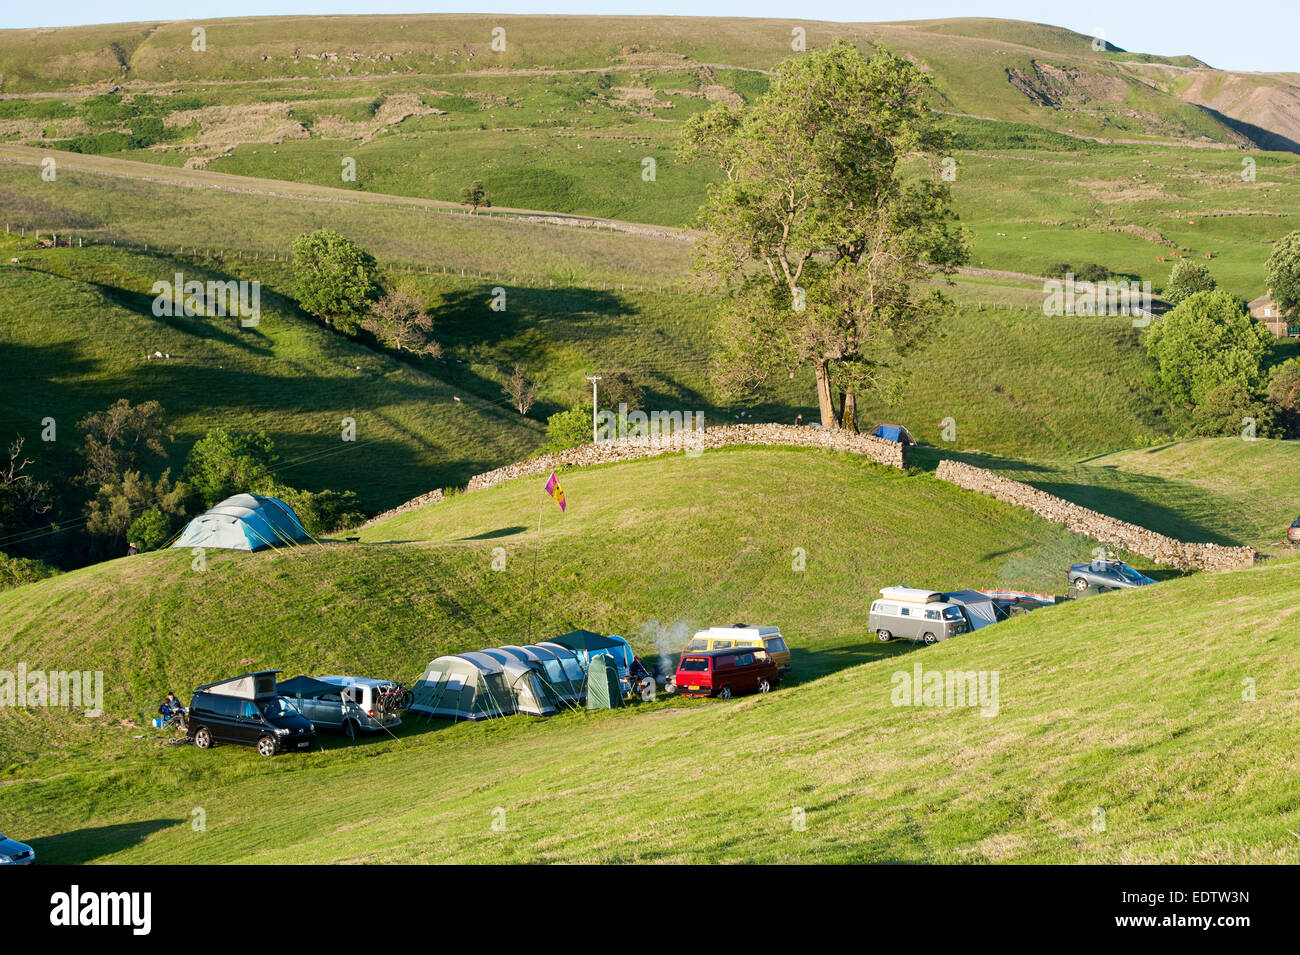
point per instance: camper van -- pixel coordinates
(913, 614)
(743, 635)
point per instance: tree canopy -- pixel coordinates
(823, 223)
(335, 278)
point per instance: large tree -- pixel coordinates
(335, 278)
(115, 439)
(1207, 341)
(831, 208)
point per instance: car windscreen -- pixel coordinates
(277, 708)
(1127, 572)
(694, 664)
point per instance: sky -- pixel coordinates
(1251, 35)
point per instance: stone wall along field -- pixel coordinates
(695, 442)
(1099, 527)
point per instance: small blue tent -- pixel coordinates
(244, 522)
(894, 432)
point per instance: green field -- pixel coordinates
(1104, 693)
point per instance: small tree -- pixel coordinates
(1186, 279)
(150, 530)
(114, 439)
(621, 387)
(521, 392)
(568, 429)
(399, 320)
(335, 278)
(223, 463)
(474, 196)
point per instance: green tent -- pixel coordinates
(603, 691)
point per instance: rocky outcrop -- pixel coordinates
(1097, 526)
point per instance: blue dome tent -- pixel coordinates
(244, 522)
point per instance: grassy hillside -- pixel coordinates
(1218, 490)
(79, 323)
(634, 554)
(1115, 703)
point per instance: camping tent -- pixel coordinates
(531, 696)
(980, 609)
(603, 692)
(244, 522)
(467, 686)
(563, 670)
(894, 432)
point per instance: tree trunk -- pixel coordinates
(822, 370)
(849, 411)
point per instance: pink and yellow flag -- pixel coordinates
(553, 488)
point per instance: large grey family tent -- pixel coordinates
(466, 686)
(979, 608)
(244, 522)
(558, 669)
(526, 679)
(603, 690)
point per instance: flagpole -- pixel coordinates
(532, 587)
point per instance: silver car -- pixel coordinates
(15, 853)
(353, 708)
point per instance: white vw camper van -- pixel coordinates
(914, 614)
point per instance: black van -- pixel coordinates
(265, 721)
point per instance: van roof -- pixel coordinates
(910, 595)
(738, 629)
(727, 652)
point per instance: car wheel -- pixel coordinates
(203, 738)
(724, 693)
(764, 685)
(1080, 584)
(884, 636)
(929, 639)
(266, 746)
(351, 729)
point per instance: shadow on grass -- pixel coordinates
(813, 664)
(499, 532)
(86, 845)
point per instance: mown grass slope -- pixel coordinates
(1170, 710)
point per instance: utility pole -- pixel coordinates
(593, 379)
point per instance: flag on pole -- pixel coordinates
(553, 488)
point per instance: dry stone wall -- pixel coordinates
(693, 442)
(1099, 527)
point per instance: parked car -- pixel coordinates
(726, 673)
(247, 710)
(1106, 575)
(743, 635)
(1293, 532)
(915, 614)
(350, 704)
(13, 852)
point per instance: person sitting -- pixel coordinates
(171, 710)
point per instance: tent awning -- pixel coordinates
(585, 640)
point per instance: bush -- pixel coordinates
(224, 462)
(321, 511)
(150, 530)
(1229, 409)
(22, 570)
(567, 429)
(1284, 392)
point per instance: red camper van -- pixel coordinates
(726, 673)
